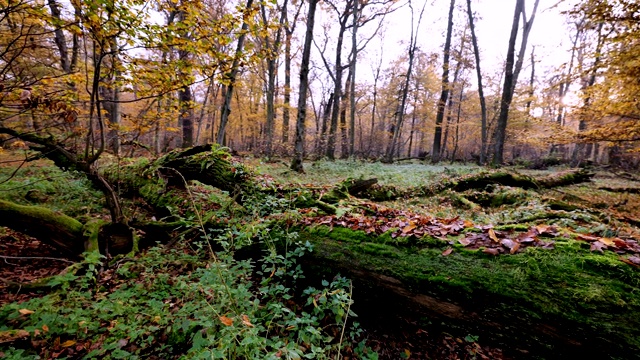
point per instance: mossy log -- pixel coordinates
(56, 229)
(504, 299)
(478, 182)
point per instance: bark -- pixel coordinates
(58, 230)
(296, 163)
(444, 94)
(507, 90)
(60, 39)
(477, 182)
(483, 104)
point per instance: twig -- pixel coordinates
(346, 317)
(36, 257)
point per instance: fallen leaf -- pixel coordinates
(245, 320)
(587, 237)
(491, 251)
(608, 241)
(468, 224)
(45, 328)
(226, 321)
(10, 336)
(508, 243)
(465, 242)
(408, 228)
(515, 248)
(598, 246)
(492, 235)
(25, 311)
(68, 343)
(447, 252)
(635, 263)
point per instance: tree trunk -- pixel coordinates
(507, 90)
(444, 95)
(483, 104)
(296, 163)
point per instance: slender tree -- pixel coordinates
(444, 95)
(483, 104)
(298, 155)
(507, 91)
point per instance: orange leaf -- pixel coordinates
(245, 320)
(226, 321)
(587, 237)
(45, 328)
(492, 235)
(447, 252)
(68, 343)
(515, 248)
(25, 311)
(468, 224)
(408, 228)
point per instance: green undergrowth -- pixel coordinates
(47, 185)
(594, 295)
(183, 303)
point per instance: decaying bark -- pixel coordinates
(61, 231)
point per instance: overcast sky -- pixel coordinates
(493, 26)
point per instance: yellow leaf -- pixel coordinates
(68, 343)
(608, 241)
(226, 321)
(25, 311)
(408, 228)
(407, 352)
(492, 235)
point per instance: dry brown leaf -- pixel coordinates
(515, 248)
(226, 321)
(245, 320)
(587, 237)
(598, 246)
(468, 223)
(491, 251)
(492, 235)
(10, 336)
(633, 261)
(45, 328)
(447, 252)
(508, 243)
(26, 311)
(465, 242)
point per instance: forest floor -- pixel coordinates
(601, 217)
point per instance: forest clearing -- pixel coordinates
(303, 268)
(319, 179)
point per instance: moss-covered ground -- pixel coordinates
(568, 299)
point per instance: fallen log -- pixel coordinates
(478, 182)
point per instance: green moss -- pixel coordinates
(568, 285)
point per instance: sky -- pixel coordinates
(549, 34)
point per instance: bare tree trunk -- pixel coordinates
(298, 155)
(483, 104)
(444, 95)
(271, 74)
(352, 71)
(337, 90)
(507, 91)
(231, 79)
